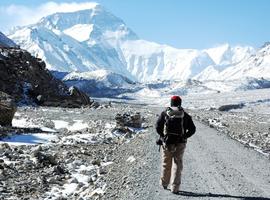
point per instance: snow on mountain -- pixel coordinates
(100, 83)
(150, 61)
(256, 66)
(87, 41)
(76, 41)
(209, 73)
(94, 39)
(227, 55)
(80, 32)
(5, 41)
(224, 57)
(110, 78)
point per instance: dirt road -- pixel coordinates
(215, 167)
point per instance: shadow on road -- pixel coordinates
(195, 194)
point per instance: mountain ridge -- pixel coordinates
(94, 39)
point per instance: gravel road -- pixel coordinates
(215, 167)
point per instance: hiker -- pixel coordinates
(174, 126)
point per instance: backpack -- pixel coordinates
(174, 127)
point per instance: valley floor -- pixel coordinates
(79, 156)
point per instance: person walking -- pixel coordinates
(174, 126)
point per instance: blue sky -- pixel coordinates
(179, 23)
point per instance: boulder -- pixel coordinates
(7, 109)
(40, 100)
(95, 104)
(128, 120)
(76, 93)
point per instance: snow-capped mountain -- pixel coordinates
(150, 61)
(226, 55)
(77, 41)
(5, 41)
(256, 66)
(94, 39)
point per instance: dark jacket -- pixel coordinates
(189, 127)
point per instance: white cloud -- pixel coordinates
(19, 15)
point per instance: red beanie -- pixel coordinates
(176, 101)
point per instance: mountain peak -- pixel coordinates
(95, 15)
(96, 22)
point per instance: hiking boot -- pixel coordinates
(175, 191)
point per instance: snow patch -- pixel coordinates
(81, 138)
(27, 123)
(80, 32)
(78, 125)
(58, 124)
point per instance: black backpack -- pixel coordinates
(174, 128)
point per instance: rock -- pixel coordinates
(128, 135)
(93, 178)
(52, 180)
(75, 92)
(7, 109)
(80, 185)
(46, 159)
(4, 146)
(95, 104)
(36, 151)
(96, 162)
(49, 124)
(74, 180)
(230, 107)
(59, 170)
(40, 99)
(127, 120)
(101, 171)
(52, 160)
(77, 163)
(135, 120)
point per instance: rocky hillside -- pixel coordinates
(26, 78)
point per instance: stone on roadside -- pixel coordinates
(7, 109)
(95, 104)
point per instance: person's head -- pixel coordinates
(176, 101)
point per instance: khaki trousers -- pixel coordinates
(172, 165)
